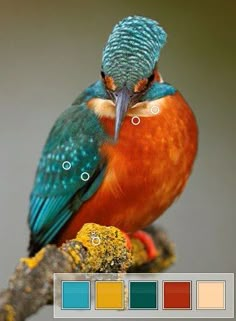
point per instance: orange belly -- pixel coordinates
(147, 169)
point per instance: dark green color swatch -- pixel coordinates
(143, 295)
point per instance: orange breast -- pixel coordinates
(147, 169)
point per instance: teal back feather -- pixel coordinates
(132, 50)
(57, 193)
(96, 90)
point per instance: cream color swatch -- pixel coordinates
(211, 295)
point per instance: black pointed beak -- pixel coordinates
(122, 100)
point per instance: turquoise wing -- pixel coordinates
(70, 171)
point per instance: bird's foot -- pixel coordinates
(148, 243)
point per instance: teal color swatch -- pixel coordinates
(143, 295)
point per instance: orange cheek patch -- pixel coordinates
(156, 76)
(109, 83)
(141, 85)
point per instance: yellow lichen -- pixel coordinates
(32, 262)
(74, 254)
(11, 314)
(101, 242)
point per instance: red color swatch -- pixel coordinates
(177, 295)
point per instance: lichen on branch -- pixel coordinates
(95, 249)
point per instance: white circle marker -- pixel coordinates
(155, 110)
(85, 176)
(96, 240)
(66, 165)
(135, 120)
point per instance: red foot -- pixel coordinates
(148, 242)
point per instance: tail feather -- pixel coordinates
(34, 246)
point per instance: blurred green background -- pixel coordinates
(51, 50)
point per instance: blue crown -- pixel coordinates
(132, 50)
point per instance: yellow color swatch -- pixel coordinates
(211, 295)
(109, 295)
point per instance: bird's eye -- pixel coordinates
(102, 74)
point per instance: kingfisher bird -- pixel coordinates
(122, 152)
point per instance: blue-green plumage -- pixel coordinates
(77, 135)
(157, 91)
(57, 192)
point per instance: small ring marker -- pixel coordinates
(66, 165)
(85, 176)
(155, 110)
(95, 239)
(135, 120)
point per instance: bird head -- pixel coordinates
(129, 60)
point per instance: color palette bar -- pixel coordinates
(161, 295)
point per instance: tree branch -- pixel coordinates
(95, 249)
